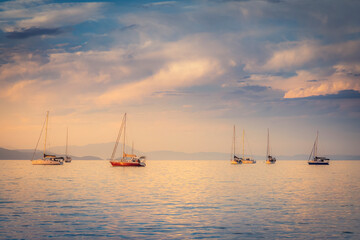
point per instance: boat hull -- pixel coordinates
(45, 162)
(248, 161)
(235, 162)
(127, 164)
(318, 163)
(270, 161)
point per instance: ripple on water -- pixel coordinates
(173, 200)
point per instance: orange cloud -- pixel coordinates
(15, 91)
(172, 76)
(297, 55)
(340, 80)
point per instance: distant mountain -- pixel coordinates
(170, 155)
(26, 154)
(343, 157)
(14, 154)
(306, 157)
(104, 150)
(85, 158)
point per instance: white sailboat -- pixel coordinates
(269, 159)
(234, 159)
(314, 159)
(127, 160)
(246, 160)
(47, 159)
(67, 158)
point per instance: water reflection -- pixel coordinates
(180, 199)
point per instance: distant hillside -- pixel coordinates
(331, 157)
(14, 154)
(26, 154)
(104, 150)
(170, 155)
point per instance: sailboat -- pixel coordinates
(234, 159)
(246, 160)
(269, 159)
(314, 159)
(47, 159)
(67, 158)
(127, 160)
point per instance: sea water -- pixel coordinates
(180, 200)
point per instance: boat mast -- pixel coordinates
(268, 146)
(243, 143)
(316, 142)
(232, 156)
(47, 119)
(314, 149)
(117, 139)
(67, 136)
(124, 135)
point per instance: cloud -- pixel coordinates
(14, 92)
(20, 16)
(343, 94)
(174, 75)
(343, 78)
(118, 75)
(130, 27)
(16, 4)
(31, 32)
(157, 4)
(254, 88)
(289, 56)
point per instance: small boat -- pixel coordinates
(234, 159)
(47, 159)
(269, 159)
(246, 160)
(314, 159)
(127, 160)
(67, 158)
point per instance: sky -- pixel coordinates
(184, 72)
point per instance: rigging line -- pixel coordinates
(268, 144)
(67, 136)
(248, 144)
(117, 139)
(49, 130)
(312, 151)
(124, 143)
(42, 129)
(232, 154)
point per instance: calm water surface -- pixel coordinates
(180, 200)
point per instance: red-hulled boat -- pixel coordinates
(127, 164)
(127, 160)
